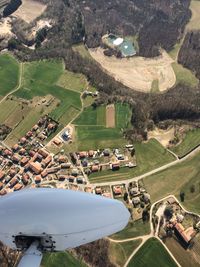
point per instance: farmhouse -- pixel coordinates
(185, 235)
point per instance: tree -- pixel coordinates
(145, 215)
(192, 188)
(125, 196)
(182, 196)
(168, 212)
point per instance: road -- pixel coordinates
(164, 167)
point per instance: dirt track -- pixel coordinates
(110, 116)
(138, 72)
(29, 10)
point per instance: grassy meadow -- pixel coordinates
(184, 76)
(120, 252)
(92, 117)
(9, 74)
(152, 254)
(58, 259)
(133, 229)
(73, 81)
(176, 179)
(190, 141)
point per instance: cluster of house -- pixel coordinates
(42, 130)
(20, 168)
(104, 159)
(138, 195)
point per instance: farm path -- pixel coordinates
(21, 70)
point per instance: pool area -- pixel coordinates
(124, 45)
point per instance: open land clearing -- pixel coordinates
(149, 156)
(137, 72)
(176, 179)
(152, 254)
(5, 27)
(120, 252)
(9, 74)
(194, 23)
(189, 257)
(110, 116)
(132, 230)
(29, 10)
(190, 140)
(64, 259)
(162, 136)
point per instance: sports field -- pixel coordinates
(152, 254)
(190, 141)
(149, 156)
(9, 74)
(40, 79)
(177, 179)
(64, 259)
(133, 229)
(120, 252)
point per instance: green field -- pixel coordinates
(9, 74)
(155, 86)
(120, 252)
(175, 179)
(122, 115)
(133, 229)
(190, 141)
(60, 259)
(72, 81)
(149, 156)
(40, 79)
(184, 75)
(152, 254)
(91, 131)
(92, 117)
(98, 137)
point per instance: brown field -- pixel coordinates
(186, 258)
(137, 72)
(29, 10)
(194, 23)
(5, 27)
(162, 136)
(110, 116)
